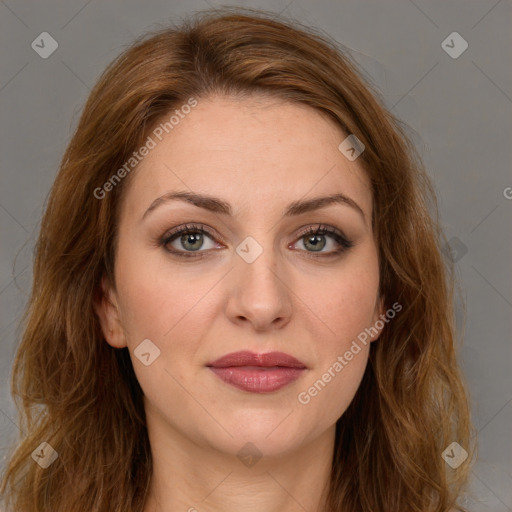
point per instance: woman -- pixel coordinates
(239, 301)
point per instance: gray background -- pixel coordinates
(459, 112)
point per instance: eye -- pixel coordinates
(315, 239)
(187, 240)
(193, 240)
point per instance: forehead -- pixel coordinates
(258, 151)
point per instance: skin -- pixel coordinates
(258, 154)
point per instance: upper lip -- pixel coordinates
(247, 358)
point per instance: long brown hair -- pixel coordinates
(81, 396)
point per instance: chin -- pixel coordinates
(269, 434)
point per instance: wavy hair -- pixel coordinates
(81, 396)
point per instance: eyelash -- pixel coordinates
(343, 242)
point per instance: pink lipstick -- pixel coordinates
(257, 373)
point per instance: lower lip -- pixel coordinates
(257, 379)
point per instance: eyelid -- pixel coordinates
(322, 229)
(192, 226)
(344, 243)
(339, 237)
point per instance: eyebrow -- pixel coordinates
(216, 205)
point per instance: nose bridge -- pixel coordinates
(259, 289)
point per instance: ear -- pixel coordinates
(106, 307)
(379, 319)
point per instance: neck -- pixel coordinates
(192, 478)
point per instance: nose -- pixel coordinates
(259, 293)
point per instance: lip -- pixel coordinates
(257, 373)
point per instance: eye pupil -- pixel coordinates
(317, 241)
(192, 238)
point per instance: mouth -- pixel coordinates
(257, 373)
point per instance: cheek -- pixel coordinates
(331, 393)
(157, 300)
(344, 304)
(342, 349)
(175, 323)
(344, 307)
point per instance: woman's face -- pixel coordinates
(252, 281)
